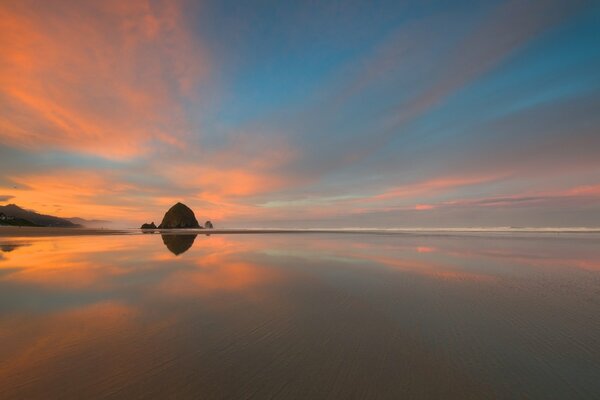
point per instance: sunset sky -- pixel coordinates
(303, 113)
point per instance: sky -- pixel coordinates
(303, 113)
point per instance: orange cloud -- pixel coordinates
(423, 207)
(213, 192)
(224, 183)
(102, 77)
(83, 193)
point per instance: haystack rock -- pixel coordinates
(208, 225)
(179, 216)
(148, 226)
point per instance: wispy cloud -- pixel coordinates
(115, 110)
(435, 186)
(430, 65)
(572, 196)
(102, 77)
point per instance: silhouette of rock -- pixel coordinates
(179, 216)
(148, 226)
(208, 225)
(178, 244)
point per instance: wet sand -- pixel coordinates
(318, 315)
(11, 231)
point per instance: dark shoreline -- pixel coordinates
(54, 231)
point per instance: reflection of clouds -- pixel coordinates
(67, 262)
(553, 257)
(220, 264)
(224, 262)
(227, 275)
(392, 252)
(37, 343)
(107, 263)
(109, 334)
(433, 269)
(122, 308)
(446, 257)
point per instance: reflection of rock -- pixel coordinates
(148, 226)
(179, 216)
(208, 225)
(178, 244)
(8, 247)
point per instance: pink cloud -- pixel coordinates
(435, 186)
(423, 207)
(572, 196)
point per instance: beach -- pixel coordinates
(121, 314)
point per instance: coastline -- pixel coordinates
(11, 231)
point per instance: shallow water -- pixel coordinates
(303, 316)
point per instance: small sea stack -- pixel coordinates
(148, 226)
(208, 225)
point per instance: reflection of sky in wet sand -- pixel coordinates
(304, 316)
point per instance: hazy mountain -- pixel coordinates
(89, 223)
(14, 210)
(15, 221)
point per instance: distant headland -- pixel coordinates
(13, 215)
(179, 216)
